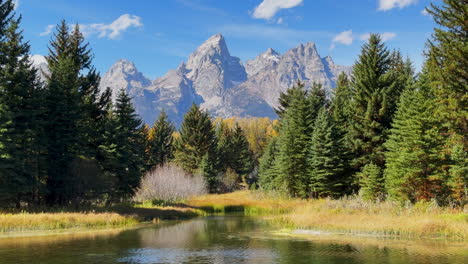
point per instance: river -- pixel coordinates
(223, 239)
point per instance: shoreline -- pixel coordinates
(349, 216)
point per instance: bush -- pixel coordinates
(170, 183)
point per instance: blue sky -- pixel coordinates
(159, 34)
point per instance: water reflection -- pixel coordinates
(221, 240)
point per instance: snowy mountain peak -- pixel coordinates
(124, 66)
(304, 50)
(37, 60)
(124, 75)
(220, 83)
(266, 60)
(212, 69)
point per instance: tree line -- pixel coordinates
(64, 142)
(386, 132)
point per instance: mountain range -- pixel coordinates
(220, 83)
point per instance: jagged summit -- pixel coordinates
(262, 62)
(124, 75)
(220, 83)
(212, 69)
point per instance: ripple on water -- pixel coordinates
(212, 255)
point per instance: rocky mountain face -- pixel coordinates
(220, 83)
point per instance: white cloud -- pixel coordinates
(385, 36)
(345, 37)
(110, 31)
(280, 20)
(268, 8)
(16, 3)
(424, 12)
(47, 30)
(114, 29)
(385, 5)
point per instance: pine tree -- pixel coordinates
(413, 169)
(243, 162)
(326, 162)
(340, 104)
(160, 141)
(129, 146)
(372, 182)
(267, 171)
(208, 168)
(295, 132)
(197, 138)
(233, 150)
(447, 59)
(21, 159)
(374, 90)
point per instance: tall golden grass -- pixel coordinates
(350, 215)
(53, 221)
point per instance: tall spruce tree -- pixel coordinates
(268, 171)
(233, 150)
(197, 139)
(296, 128)
(326, 162)
(129, 146)
(413, 169)
(76, 112)
(64, 114)
(374, 91)
(340, 104)
(21, 137)
(244, 160)
(447, 60)
(160, 141)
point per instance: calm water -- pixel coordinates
(220, 240)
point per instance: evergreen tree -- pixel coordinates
(374, 90)
(64, 114)
(295, 133)
(243, 162)
(197, 139)
(413, 169)
(341, 102)
(233, 150)
(372, 182)
(326, 162)
(208, 168)
(160, 142)
(267, 171)
(21, 159)
(447, 59)
(129, 146)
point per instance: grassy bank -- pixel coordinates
(246, 202)
(54, 221)
(351, 215)
(123, 215)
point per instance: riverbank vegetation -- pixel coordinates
(393, 140)
(352, 215)
(20, 222)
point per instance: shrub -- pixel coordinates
(170, 183)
